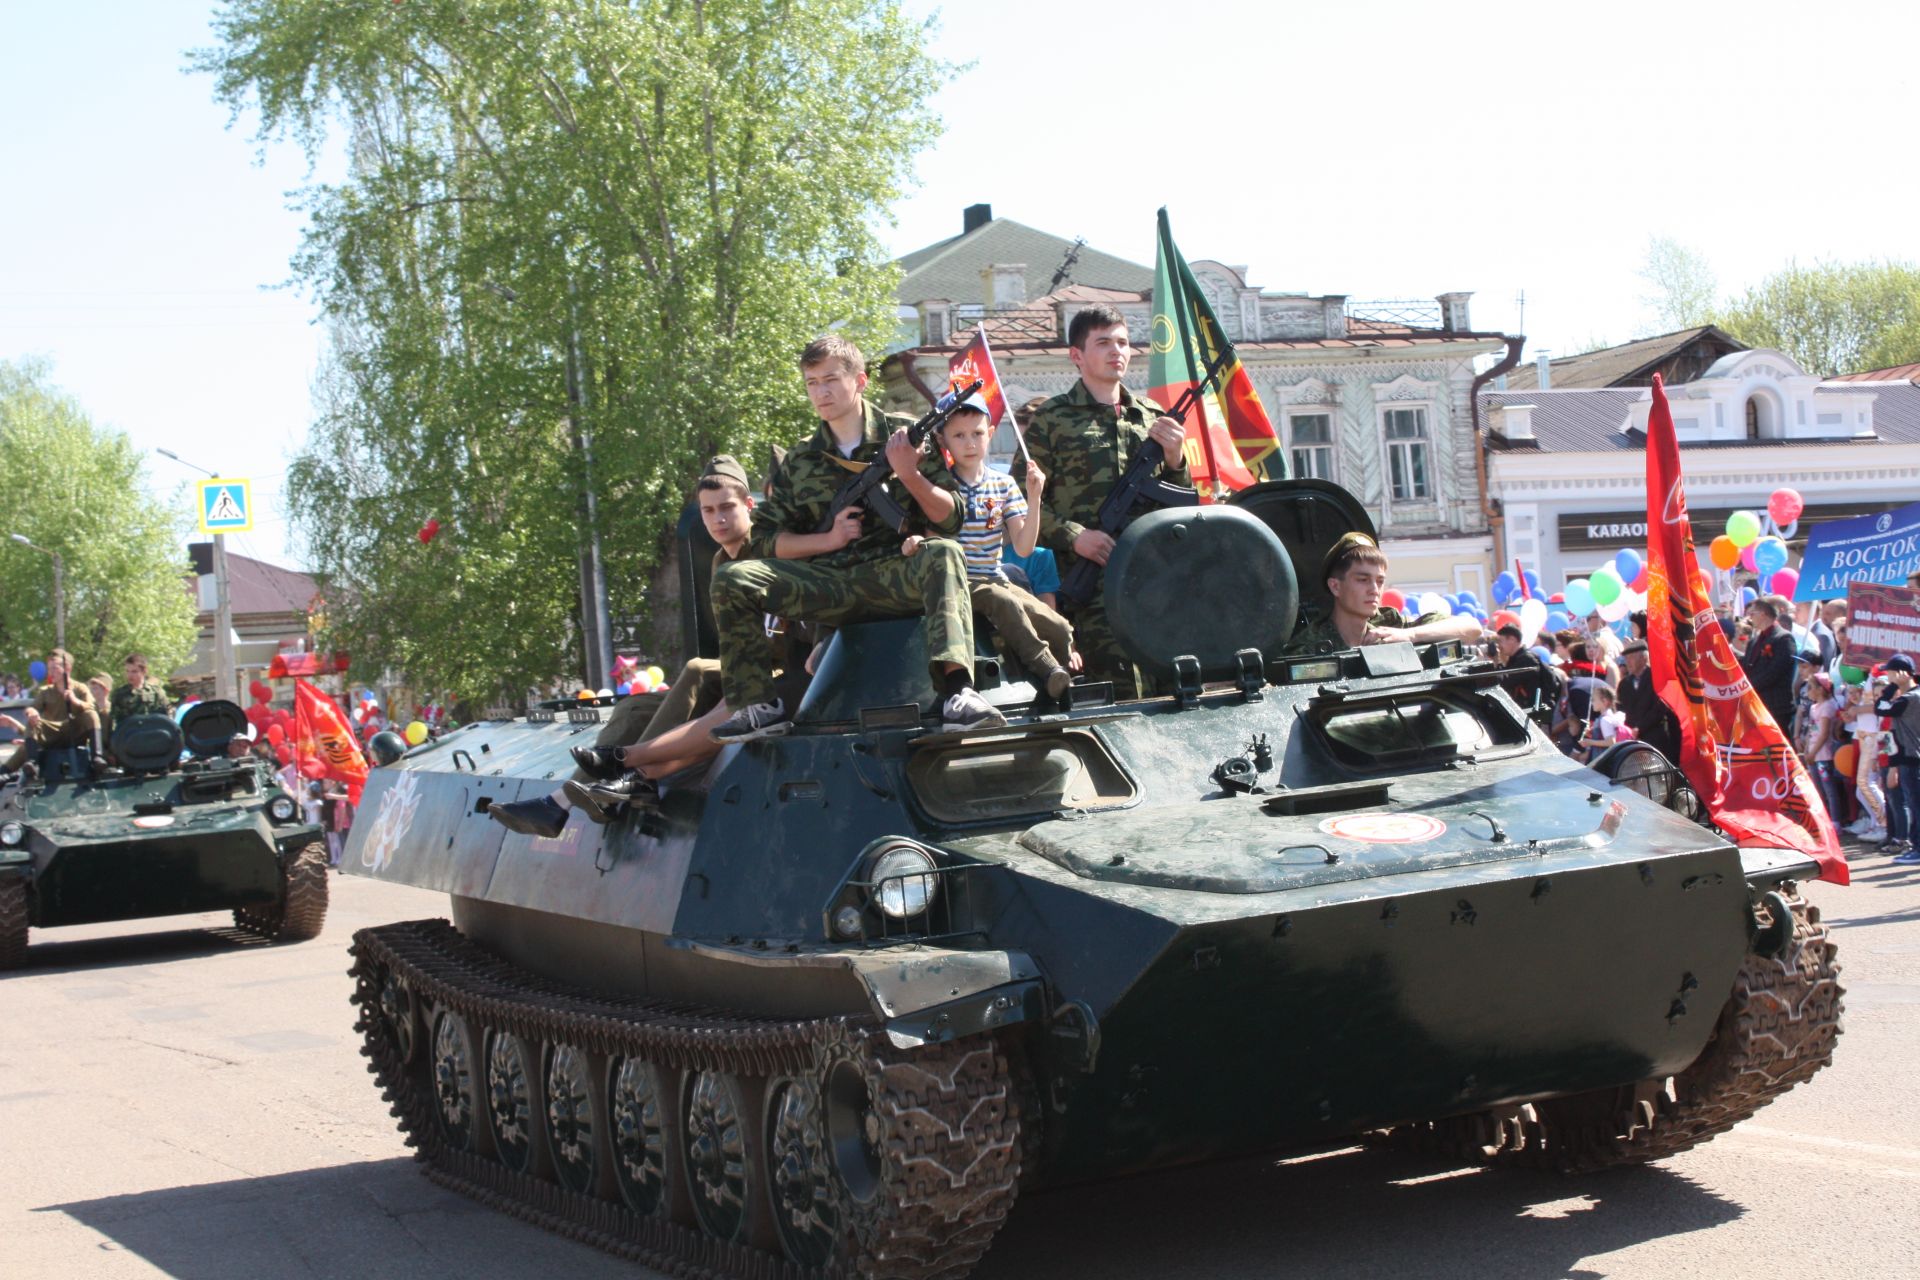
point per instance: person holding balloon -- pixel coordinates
(1356, 575)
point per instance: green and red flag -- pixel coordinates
(1228, 432)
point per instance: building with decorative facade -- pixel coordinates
(1567, 464)
(1378, 398)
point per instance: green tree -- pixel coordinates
(579, 243)
(75, 488)
(1833, 318)
(1681, 287)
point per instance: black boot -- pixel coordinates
(545, 817)
(598, 762)
(603, 801)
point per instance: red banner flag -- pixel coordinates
(1736, 757)
(975, 360)
(324, 743)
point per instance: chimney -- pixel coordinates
(1542, 369)
(1514, 421)
(1453, 312)
(1004, 285)
(975, 217)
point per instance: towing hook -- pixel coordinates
(1773, 940)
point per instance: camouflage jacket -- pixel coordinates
(1319, 635)
(1083, 446)
(814, 471)
(148, 700)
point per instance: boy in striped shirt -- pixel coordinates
(995, 512)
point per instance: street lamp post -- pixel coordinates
(59, 589)
(225, 685)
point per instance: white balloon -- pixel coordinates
(1617, 609)
(1533, 616)
(1433, 602)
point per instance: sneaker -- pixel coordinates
(1911, 858)
(1858, 825)
(761, 720)
(598, 762)
(1873, 835)
(545, 817)
(1056, 681)
(602, 802)
(967, 710)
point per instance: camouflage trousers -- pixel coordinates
(1101, 652)
(1035, 634)
(932, 583)
(643, 716)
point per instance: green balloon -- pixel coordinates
(1853, 675)
(1605, 585)
(1743, 527)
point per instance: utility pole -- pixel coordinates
(596, 623)
(225, 685)
(59, 589)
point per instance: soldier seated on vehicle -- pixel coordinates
(62, 725)
(623, 767)
(995, 513)
(1356, 575)
(139, 696)
(853, 571)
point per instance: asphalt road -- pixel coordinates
(177, 1101)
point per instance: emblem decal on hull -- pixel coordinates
(390, 825)
(1385, 828)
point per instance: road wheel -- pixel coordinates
(510, 1100)
(803, 1186)
(13, 922)
(452, 1068)
(572, 1117)
(719, 1154)
(641, 1111)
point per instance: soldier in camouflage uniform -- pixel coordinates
(139, 696)
(1356, 574)
(1083, 440)
(854, 570)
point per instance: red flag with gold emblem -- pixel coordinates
(323, 740)
(975, 360)
(1731, 751)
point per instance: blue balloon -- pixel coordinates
(1558, 620)
(37, 669)
(1533, 581)
(1541, 652)
(1453, 601)
(1626, 563)
(623, 688)
(1503, 583)
(1579, 598)
(1770, 556)
(1747, 596)
(1467, 597)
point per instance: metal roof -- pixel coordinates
(1573, 420)
(951, 269)
(1615, 366)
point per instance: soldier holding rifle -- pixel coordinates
(1083, 440)
(61, 722)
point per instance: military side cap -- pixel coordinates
(1348, 542)
(728, 467)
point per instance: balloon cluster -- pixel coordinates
(367, 705)
(1761, 546)
(271, 724)
(630, 677)
(1448, 604)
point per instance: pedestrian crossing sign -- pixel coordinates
(225, 506)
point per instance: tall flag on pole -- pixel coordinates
(324, 741)
(1228, 432)
(1731, 751)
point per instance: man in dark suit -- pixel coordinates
(1649, 718)
(1769, 661)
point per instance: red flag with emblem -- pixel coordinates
(1731, 751)
(975, 360)
(324, 741)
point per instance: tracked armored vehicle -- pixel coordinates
(159, 837)
(853, 988)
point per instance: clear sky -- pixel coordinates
(1382, 151)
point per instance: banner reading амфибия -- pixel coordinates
(1882, 548)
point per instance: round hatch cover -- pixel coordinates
(1205, 581)
(146, 744)
(1308, 516)
(210, 725)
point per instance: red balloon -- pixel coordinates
(1393, 599)
(276, 735)
(283, 753)
(1504, 618)
(260, 692)
(1558, 597)
(427, 532)
(259, 716)
(1641, 579)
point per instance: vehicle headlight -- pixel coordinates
(12, 833)
(904, 881)
(280, 808)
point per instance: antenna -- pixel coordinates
(1066, 264)
(1520, 301)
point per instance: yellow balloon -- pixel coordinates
(656, 675)
(416, 734)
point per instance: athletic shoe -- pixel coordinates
(1858, 825)
(545, 817)
(967, 710)
(602, 802)
(1056, 681)
(1873, 835)
(598, 762)
(761, 720)
(1911, 858)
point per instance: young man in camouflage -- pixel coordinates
(1356, 574)
(1083, 440)
(854, 570)
(139, 696)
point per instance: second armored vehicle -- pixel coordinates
(854, 988)
(158, 837)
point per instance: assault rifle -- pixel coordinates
(869, 486)
(1137, 491)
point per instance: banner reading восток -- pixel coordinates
(1883, 548)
